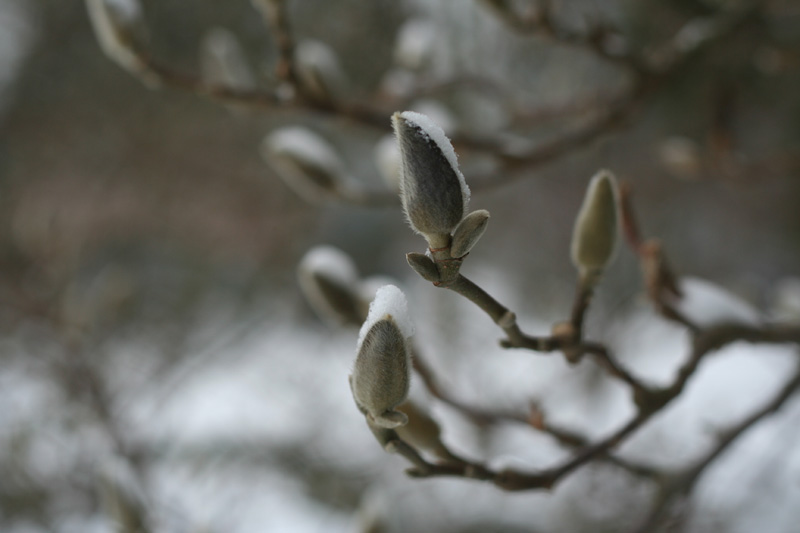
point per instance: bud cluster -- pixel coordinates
(435, 196)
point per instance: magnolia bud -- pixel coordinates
(305, 161)
(595, 235)
(319, 70)
(223, 61)
(468, 232)
(329, 281)
(115, 23)
(432, 188)
(381, 376)
(414, 45)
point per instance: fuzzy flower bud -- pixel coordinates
(329, 281)
(432, 188)
(381, 376)
(320, 70)
(305, 161)
(595, 235)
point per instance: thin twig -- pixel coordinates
(684, 483)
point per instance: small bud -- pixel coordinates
(305, 161)
(329, 281)
(433, 190)
(424, 266)
(415, 44)
(682, 157)
(115, 23)
(223, 61)
(319, 70)
(422, 431)
(595, 235)
(468, 232)
(381, 376)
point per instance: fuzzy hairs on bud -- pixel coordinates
(382, 372)
(432, 188)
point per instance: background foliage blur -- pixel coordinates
(154, 339)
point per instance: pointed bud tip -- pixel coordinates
(433, 190)
(595, 234)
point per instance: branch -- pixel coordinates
(682, 484)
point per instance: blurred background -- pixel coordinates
(157, 352)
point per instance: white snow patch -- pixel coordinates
(706, 304)
(389, 300)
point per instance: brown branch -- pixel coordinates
(276, 18)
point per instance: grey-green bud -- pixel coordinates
(305, 161)
(330, 282)
(382, 372)
(432, 188)
(468, 232)
(595, 235)
(424, 266)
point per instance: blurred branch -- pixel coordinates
(568, 337)
(277, 19)
(681, 485)
(649, 73)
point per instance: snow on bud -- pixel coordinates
(319, 70)
(223, 61)
(432, 188)
(468, 232)
(305, 161)
(114, 23)
(368, 288)
(329, 281)
(381, 375)
(595, 235)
